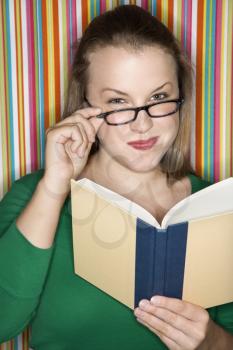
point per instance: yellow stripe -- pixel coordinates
(165, 12)
(88, 12)
(20, 92)
(179, 19)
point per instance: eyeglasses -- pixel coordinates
(127, 115)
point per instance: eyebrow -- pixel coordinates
(125, 94)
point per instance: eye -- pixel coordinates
(160, 96)
(116, 100)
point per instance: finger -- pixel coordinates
(81, 148)
(167, 341)
(175, 320)
(181, 307)
(90, 130)
(84, 113)
(177, 336)
(172, 345)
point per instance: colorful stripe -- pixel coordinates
(36, 51)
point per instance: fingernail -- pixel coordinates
(155, 299)
(143, 303)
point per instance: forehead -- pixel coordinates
(120, 66)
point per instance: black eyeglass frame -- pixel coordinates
(178, 101)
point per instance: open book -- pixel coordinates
(120, 247)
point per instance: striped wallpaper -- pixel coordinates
(36, 38)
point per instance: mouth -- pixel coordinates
(143, 144)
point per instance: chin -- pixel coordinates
(140, 166)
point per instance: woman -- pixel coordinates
(126, 126)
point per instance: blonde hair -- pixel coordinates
(132, 27)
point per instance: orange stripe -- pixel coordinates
(56, 61)
(84, 15)
(159, 9)
(199, 96)
(170, 14)
(45, 59)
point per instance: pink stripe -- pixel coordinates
(217, 89)
(144, 4)
(231, 119)
(68, 33)
(189, 28)
(31, 78)
(183, 24)
(102, 6)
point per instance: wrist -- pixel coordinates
(55, 190)
(216, 338)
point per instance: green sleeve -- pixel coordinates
(223, 316)
(23, 267)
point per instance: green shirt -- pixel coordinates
(39, 287)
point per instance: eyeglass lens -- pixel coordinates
(159, 110)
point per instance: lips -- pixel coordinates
(143, 144)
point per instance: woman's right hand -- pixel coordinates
(68, 145)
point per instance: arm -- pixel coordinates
(29, 218)
(23, 265)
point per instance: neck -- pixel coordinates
(108, 172)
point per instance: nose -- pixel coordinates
(142, 123)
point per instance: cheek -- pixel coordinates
(167, 127)
(110, 134)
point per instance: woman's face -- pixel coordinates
(120, 78)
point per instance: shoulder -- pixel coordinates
(30, 180)
(197, 183)
(26, 184)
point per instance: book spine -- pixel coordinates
(159, 263)
(144, 266)
(175, 259)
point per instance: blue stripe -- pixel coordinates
(175, 259)
(16, 341)
(9, 79)
(41, 80)
(145, 244)
(97, 5)
(92, 9)
(154, 7)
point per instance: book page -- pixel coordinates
(212, 200)
(209, 261)
(118, 200)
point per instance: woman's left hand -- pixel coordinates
(179, 324)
